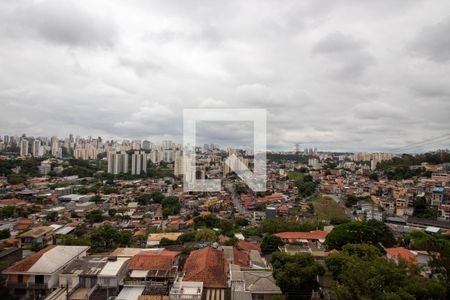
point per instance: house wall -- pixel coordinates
(108, 281)
(69, 280)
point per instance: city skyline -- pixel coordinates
(77, 142)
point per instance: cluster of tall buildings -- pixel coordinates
(85, 148)
(119, 162)
(367, 156)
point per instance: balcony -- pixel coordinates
(37, 286)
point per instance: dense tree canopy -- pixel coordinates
(361, 272)
(296, 275)
(438, 247)
(108, 237)
(357, 232)
(205, 235)
(275, 225)
(270, 244)
(170, 206)
(94, 216)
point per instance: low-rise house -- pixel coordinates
(400, 253)
(7, 258)
(81, 275)
(208, 265)
(126, 252)
(38, 274)
(154, 238)
(299, 237)
(39, 236)
(22, 224)
(159, 265)
(252, 285)
(113, 273)
(186, 290)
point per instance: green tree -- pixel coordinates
(240, 222)
(52, 216)
(232, 241)
(80, 230)
(73, 241)
(352, 199)
(8, 211)
(144, 199)
(112, 212)
(157, 196)
(170, 206)
(4, 234)
(96, 198)
(358, 232)
(167, 242)
(16, 178)
(205, 235)
(270, 243)
(296, 275)
(275, 225)
(187, 237)
(361, 272)
(108, 237)
(94, 216)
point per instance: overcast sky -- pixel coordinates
(336, 75)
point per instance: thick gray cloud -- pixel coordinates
(61, 22)
(337, 75)
(433, 41)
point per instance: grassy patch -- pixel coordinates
(295, 175)
(325, 208)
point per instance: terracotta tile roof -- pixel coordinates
(223, 238)
(311, 235)
(240, 257)
(208, 265)
(26, 263)
(139, 232)
(73, 224)
(22, 224)
(153, 260)
(244, 245)
(17, 202)
(401, 253)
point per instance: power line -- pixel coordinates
(417, 144)
(421, 146)
(424, 141)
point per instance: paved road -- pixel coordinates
(235, 197)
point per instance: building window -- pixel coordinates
(39, 279)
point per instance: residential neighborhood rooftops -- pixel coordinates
(56, 258)
(167, 235)
(48, 260)
(26, 263)
(126, 252)
(37, 232)
(209, 266)
(311, 235)
(88, 265)
(112, 268)
(261, 282)
(401, 253)
(153, 260)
